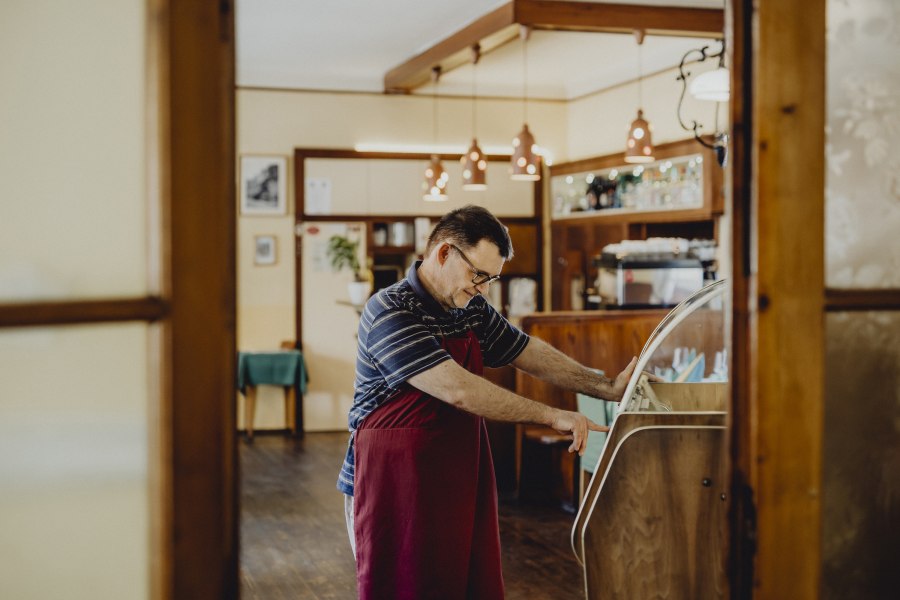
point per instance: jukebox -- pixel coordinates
(652, 520)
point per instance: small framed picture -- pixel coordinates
(264, 250)
(263, 185)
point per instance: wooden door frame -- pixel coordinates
(778, 295)
(191, 69)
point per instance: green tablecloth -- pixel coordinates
(272, 368)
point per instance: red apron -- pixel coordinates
(425, 499)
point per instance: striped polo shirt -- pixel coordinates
(399, 336)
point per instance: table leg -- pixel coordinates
(249, 410)
(290, 408)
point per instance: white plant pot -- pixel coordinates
(359, 292)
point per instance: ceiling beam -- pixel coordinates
(490, 31)
(620, 18)
(502, 26)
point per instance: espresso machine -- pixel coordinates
(652, 273)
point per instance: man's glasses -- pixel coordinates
(480, 276)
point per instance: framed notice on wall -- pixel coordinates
(263, 185)
(264, 250)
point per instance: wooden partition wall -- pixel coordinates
(604, 340)
(599, 339)
(607, 340)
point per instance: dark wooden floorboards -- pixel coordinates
(294, 542)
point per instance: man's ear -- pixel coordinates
(443, 251)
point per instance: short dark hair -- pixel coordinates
(467, 226)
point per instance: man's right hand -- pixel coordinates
(578, 425)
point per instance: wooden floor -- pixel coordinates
(294, 541)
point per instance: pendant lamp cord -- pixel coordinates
(640, 40)
(475, 50)
(641, 76)
(525, 77)
(436, 76)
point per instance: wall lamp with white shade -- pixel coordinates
(713, 86)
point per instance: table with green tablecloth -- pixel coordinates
(283, 368)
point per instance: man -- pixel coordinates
(418, 477)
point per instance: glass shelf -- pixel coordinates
(667, 184)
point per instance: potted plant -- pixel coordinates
(342, 252)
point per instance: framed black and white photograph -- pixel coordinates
(263, 185)
(264, 250)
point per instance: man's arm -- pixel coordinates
(453, 384)
(543, 361)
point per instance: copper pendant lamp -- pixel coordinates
(474, 163)
(639, 145)
(435, 183)
(525, 162)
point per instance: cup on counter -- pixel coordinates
(379, 235)
(400, 234)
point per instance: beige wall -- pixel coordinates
(598, 124)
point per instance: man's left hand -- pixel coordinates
(618, 385)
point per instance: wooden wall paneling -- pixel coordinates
(603, 339)
(558, 262)
(539, 223)
(637, 231)
(527, 253)
(579, 243)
